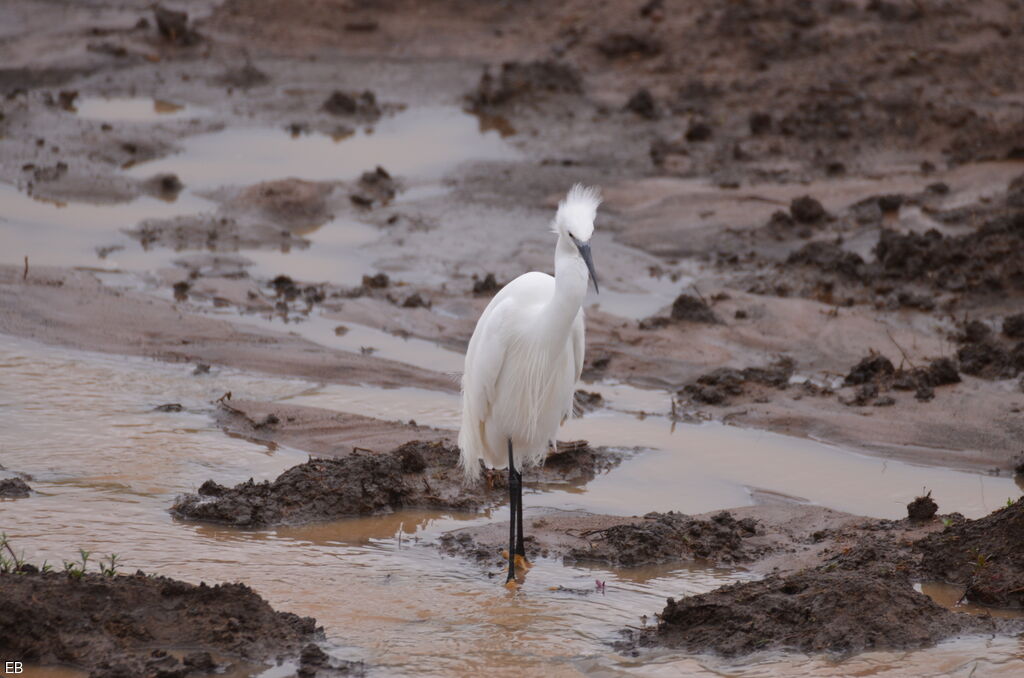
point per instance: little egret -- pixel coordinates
(523, 362)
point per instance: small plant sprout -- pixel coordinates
(12, 564)
(111, 568)
(946, 522)
(1009, 501)
(46, 567)
(84, 555)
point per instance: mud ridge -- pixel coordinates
(417, 474)
(814, 611)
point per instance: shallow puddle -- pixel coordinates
(134, 109)
(951, 596)
(417, 145)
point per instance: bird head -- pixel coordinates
(574, 222)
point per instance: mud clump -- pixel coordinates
(807, 210)
(685, 308)
(173, 26)
(642, 103)
(522, 81)
(378, 281)
(129, 625)
(363, 105)
(487, 287)
(922, 508)
(982, 555)
(975, 262)
(376, 187)
(1013, 326)
(14, 488)
(923, 380)
(415, 475)
(871, 369)
(813, 611)
(829, 257)
(715, 387)
(988, 360)
(667, 537)
(692, 309)
(164, 186)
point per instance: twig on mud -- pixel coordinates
(356, 448)
(700, 296)
(24, 275)
(902, 352)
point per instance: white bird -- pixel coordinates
(524, 359)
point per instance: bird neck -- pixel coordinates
(571, 279)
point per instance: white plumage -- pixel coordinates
(526, 353)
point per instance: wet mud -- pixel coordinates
(853, 591)
(814, 611)
(116, 625)
(14, 488)
(418, 474)
(981, 555)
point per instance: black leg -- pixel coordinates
(514, 491)
(520, 548)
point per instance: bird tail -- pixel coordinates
(470, 447)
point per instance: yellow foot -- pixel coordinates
(522, 564)
(512, 585)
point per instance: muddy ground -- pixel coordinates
(833, 582)
(830, 197)
(364, 482)
(115, 626)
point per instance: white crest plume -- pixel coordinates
(577, 211)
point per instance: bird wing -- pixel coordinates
(484, 360)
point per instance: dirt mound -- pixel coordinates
(685, 308)
(983, 555)
(989, 360)
(813, 610)
(14, 488)
(376, 187)
(875, 373)
(127, 625)
(830, 257)
(667, 537)
(922, 508)
(518, 81)
(983, 261)
(715, 387)
(418, 474)
(362, 105)
(871, 368)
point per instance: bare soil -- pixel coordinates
(151, 626)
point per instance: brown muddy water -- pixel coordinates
(105, 465)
